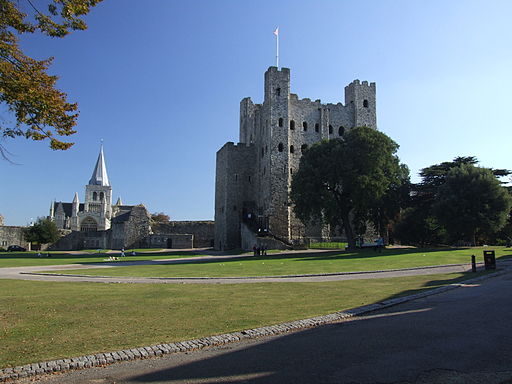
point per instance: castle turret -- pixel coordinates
(361, 98)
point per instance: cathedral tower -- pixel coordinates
(98, 199)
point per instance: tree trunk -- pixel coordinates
(347, 227)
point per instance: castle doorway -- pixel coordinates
(169, 243)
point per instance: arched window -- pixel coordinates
(303, 148)
(365, 103)
(102, 196)
(317, 127)
(262, 151)
(88, 225)
(305, 125)
(292, 149)
(330, 129)
(292, 124)
(94, 196)
(341, 130)
(280, 147)
(278, 91)
(280, 122)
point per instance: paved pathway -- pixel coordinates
(32, 273)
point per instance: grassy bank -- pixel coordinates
(25, 259)
(303, 263)
(42, 321)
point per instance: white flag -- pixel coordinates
(276, 32)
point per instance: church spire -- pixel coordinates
(99, 175)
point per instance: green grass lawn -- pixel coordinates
(302, 263)
(43, 321)
(24, 259)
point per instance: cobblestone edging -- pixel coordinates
(102, 359)
(252, 277)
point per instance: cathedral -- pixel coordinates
(96, 223)
(97, 212)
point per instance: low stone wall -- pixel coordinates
(171, 241)
(202, 231)
(12, 235)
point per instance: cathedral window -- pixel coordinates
(365, 103)
(278, 91)
(330, 129)
(292, 149)
(280, 147)
(292, 124)
(280, 122)
(88, 225)
(94, 196)
(341, 131)
(317, 127)
(305, 126)
(102, 196)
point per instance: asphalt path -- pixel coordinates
(460, 336)
(57, 273)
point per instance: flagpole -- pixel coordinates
(276, 33)
(277, 50)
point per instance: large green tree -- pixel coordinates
(44, 231)
(419, 223)
(40, 111)
(341, 180)
(472, 201)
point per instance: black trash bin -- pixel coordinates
(489, 260)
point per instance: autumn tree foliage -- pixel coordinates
(40, 111)
(160, 218)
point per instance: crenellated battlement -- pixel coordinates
(254, 176)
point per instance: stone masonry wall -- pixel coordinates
(281, 129)
(195, 234)
(12, 235)
(235, 183)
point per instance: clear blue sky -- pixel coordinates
(160, 81)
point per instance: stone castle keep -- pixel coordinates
(253, 177)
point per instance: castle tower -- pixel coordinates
(360, 97)
(256, 174)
